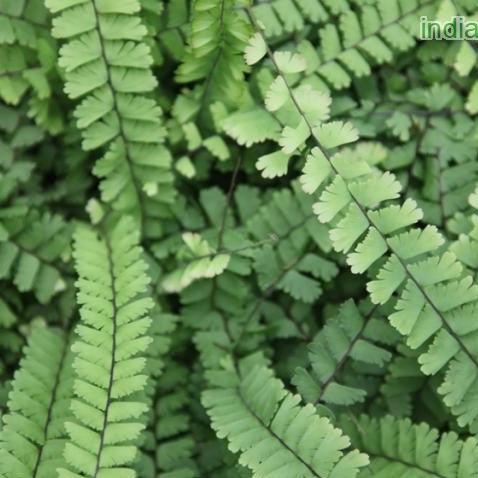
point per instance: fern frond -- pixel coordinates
(201, 262)
(109, 364)
(21, 25)
(281, 17)
(403, 380)
(107, 63)
(451, 137)
(208, 253)
(407, 392)
(32, 247)
(446, 188)
(217, 461)
(436, 163)
(282, 242)
(297, 254)
(33, 435)
(223, 296)
(171, 28)
(273, 433)
(436, 299)
(400, 448)
(170, 446)
(355, 337)
(26, 52)
(17, 137)
(19, 22)
(373, 35)
(217, 38)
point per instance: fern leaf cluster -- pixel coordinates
(400, 447)
(350, 338)
(260, 419)
(32, 249)
(108, 365)
(107, 63)
(33, 435)
(217, 38)
(238, 239)
(28, 61)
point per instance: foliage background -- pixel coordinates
(237, 239)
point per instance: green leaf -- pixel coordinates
(273, 420)
(336, 133)
(273, 165)
(292, 138)
(289, 62)
(255, 49)
(316, 170)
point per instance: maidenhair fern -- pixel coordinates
(27, 66)
(108, 365)
(398, 447)
(434, 292)
(217, 38)
(32, 248)
(238, 239)
(348, 338)
(34, 432)
(274, 434)
(107, 63)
